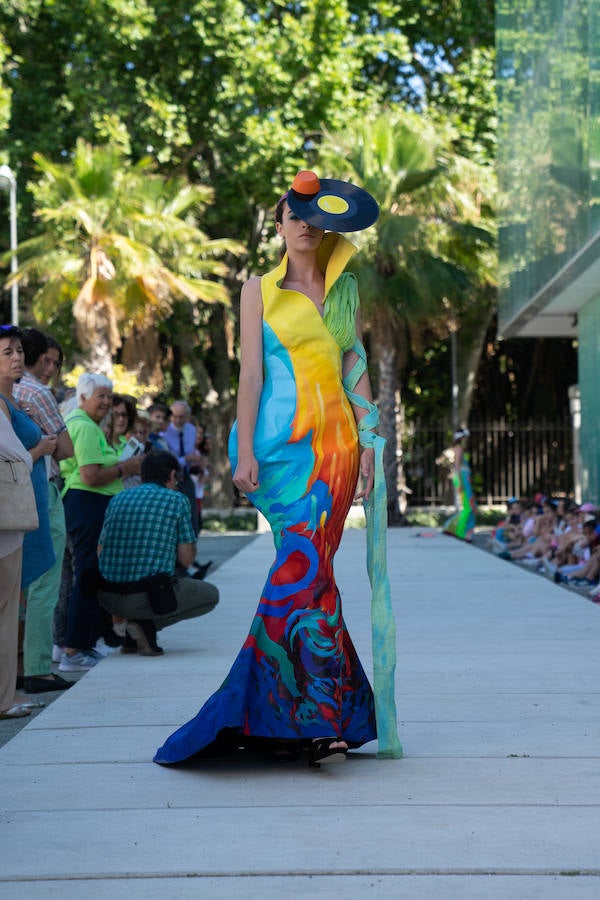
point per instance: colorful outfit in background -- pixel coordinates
(297, 676)
(462, 523)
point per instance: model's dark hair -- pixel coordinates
(157, 467)
(279, 207)
(34, 344)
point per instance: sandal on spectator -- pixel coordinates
(18, 711)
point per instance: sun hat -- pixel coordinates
(587, 508)
(331, 204)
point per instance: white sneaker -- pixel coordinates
(56, 653)
(549, 566)
(79, 662)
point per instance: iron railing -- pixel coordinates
(508, 459)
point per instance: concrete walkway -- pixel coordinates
(498, 796)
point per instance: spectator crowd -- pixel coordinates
(554, 536)
(118, 494)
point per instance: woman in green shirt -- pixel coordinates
(92, 476)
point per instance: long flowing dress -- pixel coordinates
(462, 523)
(297, 675)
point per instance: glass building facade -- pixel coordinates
(548, 75)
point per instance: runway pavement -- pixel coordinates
(498, 795)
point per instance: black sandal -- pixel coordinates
(322, 751)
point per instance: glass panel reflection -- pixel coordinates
(549, 140)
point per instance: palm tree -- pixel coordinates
(121, 244)
(419, 264)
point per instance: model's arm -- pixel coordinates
(245, 476)
(363, 388)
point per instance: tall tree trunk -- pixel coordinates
(97, 335)
(383, 344)
(469, 345)
(220, 407)
(141, 354)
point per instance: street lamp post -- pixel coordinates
(8, 182)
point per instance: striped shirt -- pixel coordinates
(38, 401)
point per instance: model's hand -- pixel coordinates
(245, 476)
(367, 473)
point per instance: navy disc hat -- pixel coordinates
(331, 204)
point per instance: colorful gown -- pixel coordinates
(462, 523)
(297, 675)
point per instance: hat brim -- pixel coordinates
(338, 206)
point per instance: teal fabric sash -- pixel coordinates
(340, 318)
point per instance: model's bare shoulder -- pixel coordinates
(251, 289)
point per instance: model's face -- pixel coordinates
(298, 235)
(98, 404)
(12, 363)
(119, 419)
(178, 416)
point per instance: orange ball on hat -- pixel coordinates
(331, 204)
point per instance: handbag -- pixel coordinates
(18, 510)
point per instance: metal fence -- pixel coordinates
(508, 459)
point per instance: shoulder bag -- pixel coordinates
(18, 510)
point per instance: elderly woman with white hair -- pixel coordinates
(92, 476)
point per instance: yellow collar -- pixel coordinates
(333, 255)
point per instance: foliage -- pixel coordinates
(422, 265)
(124, 381)
(230, 522)
(120, 244)
(237, 95)
(5, 92)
